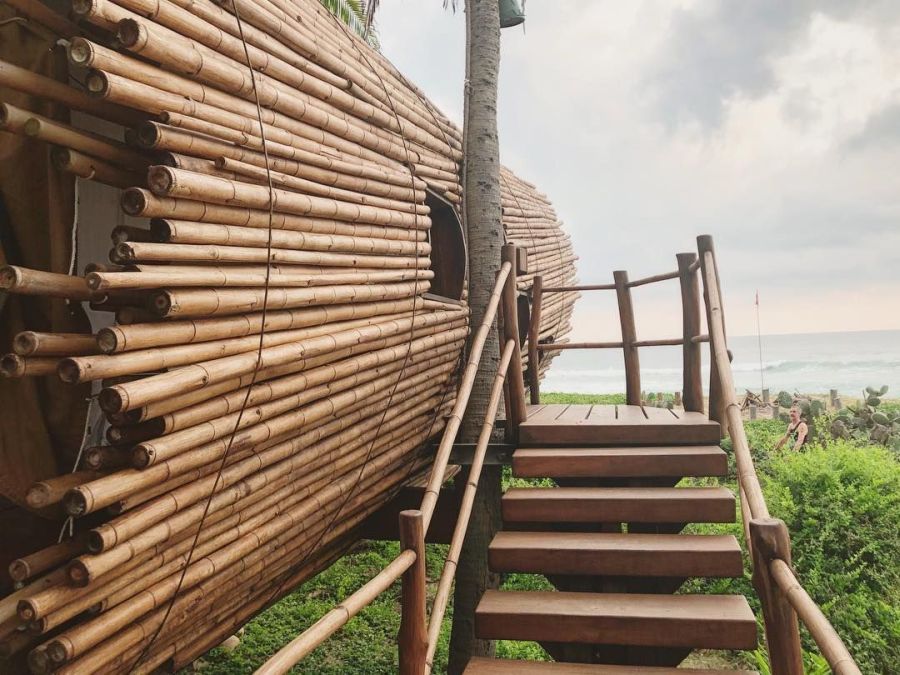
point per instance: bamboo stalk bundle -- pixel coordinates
(142, 203)
(179, 231)
(295, 420)
(89, 368)
(169, 182)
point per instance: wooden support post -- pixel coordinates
(833, 395)
(716, 399)
(412, 641)
(511, 332)
(752, 411)
(770, 540)
(765, 396)
(629, 337)
(690, 314)
(534, 334)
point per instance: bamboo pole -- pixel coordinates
(717, 395)
(534, 328)
(829, 642)
(692, 387)
(13, 366)
(511, 332)
(442, 594)
(412, 639)
(442, 455)
(32, 343)
(629, 337)
(25, 281)
(771, 541)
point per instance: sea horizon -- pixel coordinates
(808, 363)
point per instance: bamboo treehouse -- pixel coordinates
(234, 297)
(212, 409)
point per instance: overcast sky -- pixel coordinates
(773, 125)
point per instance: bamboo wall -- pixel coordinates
(272, 362)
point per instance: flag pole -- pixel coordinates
(762, 380)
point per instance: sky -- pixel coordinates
(773, 125)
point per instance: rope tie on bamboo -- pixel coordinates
(259, 350)
(412, 175)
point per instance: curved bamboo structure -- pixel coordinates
(277, 334)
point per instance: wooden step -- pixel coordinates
(662, 461)
(615, 425)
(613, 554)
(690, 621)
(618, 505)
(483, 666)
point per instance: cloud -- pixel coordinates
(770, 125)
(717, 51)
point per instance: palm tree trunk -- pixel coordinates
(485, 237)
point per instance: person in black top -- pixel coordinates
(797, 431)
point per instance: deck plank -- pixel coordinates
(559, 424)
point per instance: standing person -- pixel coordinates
(797, 430)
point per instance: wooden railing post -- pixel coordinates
(629, 337)
(412, 641)
(516, 408)
(534, 335)
(770, 540)
(716, 399)
(692, 387)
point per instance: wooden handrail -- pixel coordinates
(553, 346)
(746, 470)
(568, 289)
(773, 577)
(442, 595)
(653, 279)
(289, 655)
(442, 456)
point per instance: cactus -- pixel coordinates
(866, 422)
(784, 399)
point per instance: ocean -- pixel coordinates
(807, 363)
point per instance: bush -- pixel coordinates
(841, 504)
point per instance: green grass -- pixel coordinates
(555, 397)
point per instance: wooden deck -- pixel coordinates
(557, 424)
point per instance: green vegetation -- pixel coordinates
(839, 498)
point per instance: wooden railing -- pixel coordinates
(691, 339)
(418, 635)
(781, 595)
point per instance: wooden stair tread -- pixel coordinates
(615, 554)
(579, 462)
(485, 666)
(692, 621)
(616, 424)
(615, 504)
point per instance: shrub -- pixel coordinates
(841, 504)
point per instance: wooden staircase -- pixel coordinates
(608, 537)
